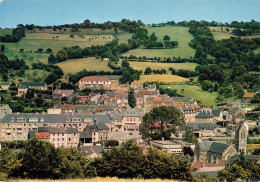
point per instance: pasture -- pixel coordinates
(180, 34)
(257, 51)
(90, 64)
(220, 34)
(152, 65)
(162, 78)
(194, 91)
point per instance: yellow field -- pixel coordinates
(99, 179)
(152, 65)
(162, 78)
(90, 64)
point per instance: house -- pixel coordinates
(5, 108)
(43, 133)
(237, 113)
(217, 115)
(22, 90)
(94, 82)
(94, 97)
(61, 93)
(66, 137)
(248, 96)
(97, 132)
(5, 86)
(238, 103)
(136, 85)
(170, 146)
(35, 85)
(151, 87)
(188, 113)
(131, 120)
(92, 151)
(66, 108)
(204, 116)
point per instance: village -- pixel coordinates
(85, 121)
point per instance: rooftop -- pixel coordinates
(94, 78)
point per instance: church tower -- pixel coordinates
(241, 137)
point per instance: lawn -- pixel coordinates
(90, 64)
(152, 65)
(162, 78)
(180, 34)
(194, 91)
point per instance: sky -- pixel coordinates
(58, 12)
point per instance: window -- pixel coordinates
(68, 120)
(12, 119)
(53, 139)
(62, 134)
(62, 139)
(69, 139)
(101, 138)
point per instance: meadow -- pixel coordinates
(257, 51)
(90, 64)
(194, 91)
(180, 34)
(220, 34)
(162, 78)
(152, 65)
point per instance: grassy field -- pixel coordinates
(162, 78)
(179, 34)
(194, 91)
(220, 34)
(90, 64)
(152, 65)
(99, 179)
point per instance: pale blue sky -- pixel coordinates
(56, 12)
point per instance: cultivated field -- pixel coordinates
(194, 91)
(90, 64)
(99, 179)
(180, 34)
(152, 65)
(162, 78)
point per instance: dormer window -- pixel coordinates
(12, 119)
(42, 119)
(68, 120)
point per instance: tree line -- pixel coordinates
(16, 36)
(37, 159)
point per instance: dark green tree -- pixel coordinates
(161, 122)
(131, 98)
(147, 71)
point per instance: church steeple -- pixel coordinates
(241, 137)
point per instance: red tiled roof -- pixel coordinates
(248, 95)
(94, 78)
(67, 107)
(135, 82)
(42, 135)
(100, 110)
(157, 99)
(144, 92)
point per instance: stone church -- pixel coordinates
(220, 151)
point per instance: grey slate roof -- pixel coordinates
(216, 112)
(116, 115)
(198, 126)
(71, 130)
(43, 129)
(206, 145)
(204, 115)
(217, 147)
(84, 135)
(55, 118)
(131, 112)
(91, 149)
(102, 126)
(57, 130)
(33, 84)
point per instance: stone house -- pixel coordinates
(61, 93)
(66, 137)
(5, 86)
(22, 90)
(35, 85)
(204, 116)
(237, 113)
(131, 120)
(247, 97)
